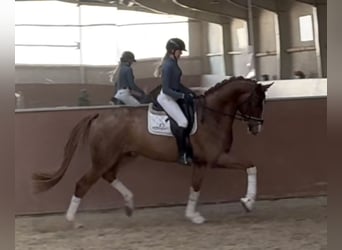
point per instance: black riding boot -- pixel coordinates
(181, 138)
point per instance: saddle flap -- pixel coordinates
(158, 122)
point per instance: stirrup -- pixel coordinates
(185, 160)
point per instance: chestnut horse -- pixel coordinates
(117, 135)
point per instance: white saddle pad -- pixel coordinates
(158, 122)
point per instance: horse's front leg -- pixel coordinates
(229, 162)
(196, 183)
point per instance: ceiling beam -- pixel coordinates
(160, 6)
(169, 7)
(261, 4)
(220, 7)
(313, 2)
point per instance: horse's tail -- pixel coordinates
(44, 181)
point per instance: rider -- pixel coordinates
(174, 91)
(123, 80)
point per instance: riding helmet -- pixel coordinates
(127, 56)
(175, 44)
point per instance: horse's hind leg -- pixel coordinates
(82, 187)
(190, 212)
(111, 177)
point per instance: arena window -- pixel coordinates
(306, 28)
(90, 35)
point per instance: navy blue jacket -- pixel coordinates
(126, 79)
(171, 79)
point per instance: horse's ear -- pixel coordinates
(265, 87)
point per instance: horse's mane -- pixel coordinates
(226, 81)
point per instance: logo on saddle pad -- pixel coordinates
(158, 122)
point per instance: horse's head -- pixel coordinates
(251, 107)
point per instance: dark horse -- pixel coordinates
(143, 99)
(117, 135)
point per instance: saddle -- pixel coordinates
(159, 123)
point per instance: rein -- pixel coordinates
(239, 116)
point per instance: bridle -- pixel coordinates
(239, 116)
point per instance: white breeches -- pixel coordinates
(172, 108)
(125, 96)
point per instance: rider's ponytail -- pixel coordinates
(114, 77)
(158, 70)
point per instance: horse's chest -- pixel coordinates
(209, 150)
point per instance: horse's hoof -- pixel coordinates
(74, 225)
(78, 225)
(247, 204)
(129, 207)
(196, 218)
(128, 211)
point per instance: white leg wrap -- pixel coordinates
(249, 199)
(190, 211)
(74, 204)
(123, 190)
(126, 194)
(252, 183)
(192, 202)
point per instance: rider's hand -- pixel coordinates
(192, 94)
(188, 97)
